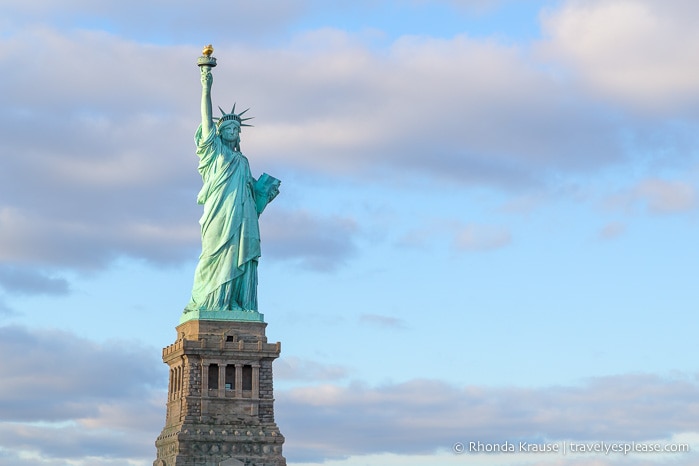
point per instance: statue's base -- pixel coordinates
(220, 402)
(236, 316)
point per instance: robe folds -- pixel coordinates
(226, 275)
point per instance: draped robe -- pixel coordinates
(226, 275)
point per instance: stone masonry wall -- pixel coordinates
(222, 423)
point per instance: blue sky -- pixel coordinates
(486, 229)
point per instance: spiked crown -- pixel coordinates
(233, 116)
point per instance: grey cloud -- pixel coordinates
(104, 403)
(77, 442)
(22, 280)
(95, 164)
(423, 416)
(64, 398)
(510, 124)
(114, 173)
(420, 109)
(82, 242)
(160, 20)
(73, 370)
(320, 243)
(12, 458)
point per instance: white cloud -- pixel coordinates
(459, 109)
(107, 403)
(657, 196)
(97, 162)
(316, 242)
(424, 416)
(662, 196)
(66, 399)
(481, 238)
(640, 53)
(82, 241)
(103, 373)
(114, 173)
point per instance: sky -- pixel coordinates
(486, 232)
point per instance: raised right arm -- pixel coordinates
(207, 122)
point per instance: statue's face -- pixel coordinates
(230, 132)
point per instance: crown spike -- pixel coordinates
(233, 116)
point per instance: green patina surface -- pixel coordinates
(245, 316)
(225, 279)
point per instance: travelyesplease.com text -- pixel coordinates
(565, 447)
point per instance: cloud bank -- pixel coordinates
(107, 404)
(113, 174)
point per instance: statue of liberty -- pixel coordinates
(226, 276)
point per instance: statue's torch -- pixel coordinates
(206, 59)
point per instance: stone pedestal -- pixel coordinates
(220, 408)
